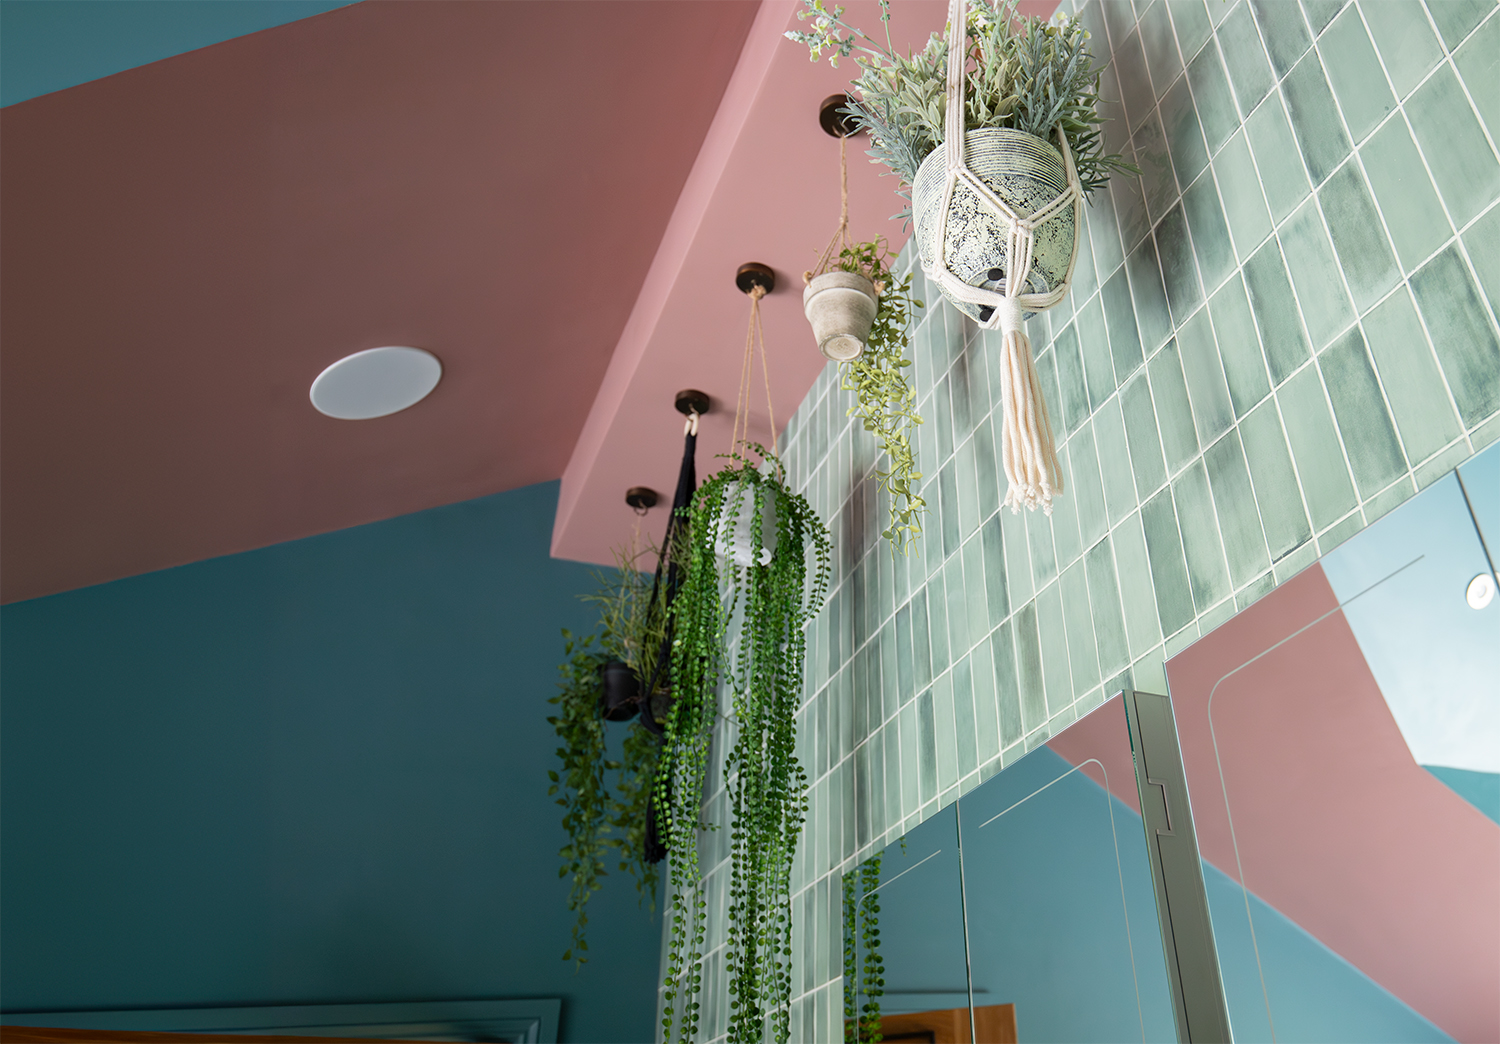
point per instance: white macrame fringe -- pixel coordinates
(1026, 448)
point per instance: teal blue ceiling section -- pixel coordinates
(47, 45)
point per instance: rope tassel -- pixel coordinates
(1026, 448)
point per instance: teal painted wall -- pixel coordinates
(313, 773)
(47, 45)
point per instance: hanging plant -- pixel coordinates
(862, 934)
(739, 620)
(884, 399)
(605, 825)
(995, 136)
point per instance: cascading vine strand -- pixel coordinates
(761, 608)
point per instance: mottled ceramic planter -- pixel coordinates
(841, 307)
(734, 535)
(1027, 173)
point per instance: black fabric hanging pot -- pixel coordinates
(621, 691)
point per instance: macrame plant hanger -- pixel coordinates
(1027, 450)
(829, 259)
(755, 286)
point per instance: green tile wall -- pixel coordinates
(1285, 328)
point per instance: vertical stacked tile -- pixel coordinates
(1282, 330)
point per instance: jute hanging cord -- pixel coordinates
(841, 238)
(753, 335)
(1027, 451)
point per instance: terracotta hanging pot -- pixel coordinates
(841, 307)
(1024, 171)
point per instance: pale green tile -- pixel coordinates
(921, 642)
(1135, 83)
(937, 620)
(1405, 41)
(1461, 333)
(1405, 194)
(1339, 532)
(1321, 12)
(1315, 447)
(1174, 599)
(1085, 279)
(1277, 157)
(1128, 196)
(1358, 80)
(1088, 486)
(1448, 132)
(1478, 62)
(1441, 464)
(1298, 560)
(1046, 373)
(1215, 616)
(968, 491)
(1315, 275)
(1149, 673)
(1244, 204)
(1409, 373)
(1043, 551)
(1009, 695)
(1017, 558)
(1104, 602)
(975, 582)
(1315, 118)
(1054, 644)
(1239, 519)
(1104, 234)
(1276, 490)
(1362, 247)
(1179, 121)
(1254, 592)
(1215, 101)
(1284, 31)
(1114, 461)
(965, 726)
(1124, 338)
(1249, 70)
(996, 583)
(1485, 434)
(1483, 242)
(960, 640)
(945, 747)
(1137, 592)
(1211, 241)
(1151, 313)
(1174, 414)
(1072, 386)
(1212, 410)
(986, 719)
(987, 466)
(1455, 19)
(1207, 575)
(1083, 653)
(1239, 347)
(1093, 343)
(1065, 516)
(1173, 246)
(1145, 444)
(1155, 161)
(1162, 58)
(1192, 24)
(947, 509)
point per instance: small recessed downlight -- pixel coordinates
(1481, 591)
(375, 383)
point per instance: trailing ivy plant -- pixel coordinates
(862, 935)
(1024, 73)
(605, 825)
(739, 628)
(884, 398)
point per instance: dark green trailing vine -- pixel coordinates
(862, 936)
(885, 400)
(604, 825)
(760, 610)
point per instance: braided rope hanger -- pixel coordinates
(1027, 450)
(841, 237)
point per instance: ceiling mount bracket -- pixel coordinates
(690, 401)
(752, 274)
(641, 498)
(836, 124)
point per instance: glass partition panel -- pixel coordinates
(1061, 913)
(1341, 739)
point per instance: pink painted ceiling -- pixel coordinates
(189, 243)
(551, 197)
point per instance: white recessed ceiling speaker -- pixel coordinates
(375, 383)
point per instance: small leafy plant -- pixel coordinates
(884, 398)
(1025, 74)
(862, 935)
(604, 825)
(740, 628)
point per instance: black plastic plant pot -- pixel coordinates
(622, 690)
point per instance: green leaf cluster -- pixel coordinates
(884, 398)
(604, 825)
(1023, 73)
(740, 629)
(862, 938)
